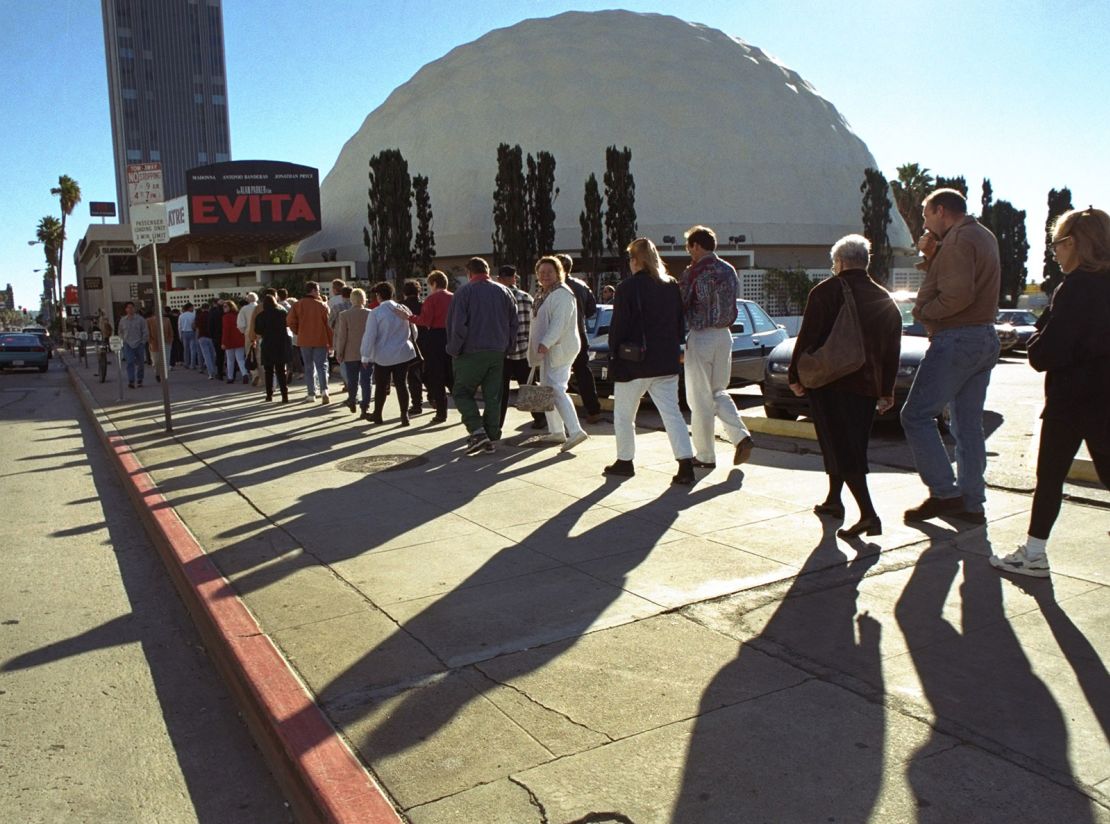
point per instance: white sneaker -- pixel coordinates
(1020, 564)
(573, 441)
(551, 437)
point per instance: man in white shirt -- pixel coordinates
(186, 328)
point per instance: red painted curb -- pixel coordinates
(325, 781)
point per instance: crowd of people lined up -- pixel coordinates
(490, 332)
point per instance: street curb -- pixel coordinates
(322, 779)
(1083, 470)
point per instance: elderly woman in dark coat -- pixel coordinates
(648, 317)
(276, 348)
(844, 409)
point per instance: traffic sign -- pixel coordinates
(148, 224)
(115, 343)
(144, 183)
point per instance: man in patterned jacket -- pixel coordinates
(709, 290)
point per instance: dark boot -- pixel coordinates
(685, 475)
(622, 469)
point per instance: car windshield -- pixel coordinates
(1018, 318)
(599, 323)
(19, 340)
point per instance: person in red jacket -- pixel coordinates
(233, 343)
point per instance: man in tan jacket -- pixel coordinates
(308, 320)
(957, 304)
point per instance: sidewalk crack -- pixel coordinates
(532, 799)
(543, 706)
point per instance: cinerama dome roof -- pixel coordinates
(721, 133)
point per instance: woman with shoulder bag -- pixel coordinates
(844, 408)
(553, 345)
(645, 345)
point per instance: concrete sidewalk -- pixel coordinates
(516, 638)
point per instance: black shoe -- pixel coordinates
(743, 451)
(864, 526)
(351, 406)
(623, 469)
(832, 510)
(158, 378)
(376, 419)
(704, 464)
(404, 420)
(685, 475)
(416, 409)
(269, 398)
(477, 442)
(130, 386)
(932, 507)
(439, 417)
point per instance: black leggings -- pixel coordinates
(398, 375)
(1059, 443)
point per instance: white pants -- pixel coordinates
(708, 369)
(664, 394)
(558, 378)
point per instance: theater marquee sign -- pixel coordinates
(249, 197)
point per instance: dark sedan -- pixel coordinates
(754, 335)
(22, 350)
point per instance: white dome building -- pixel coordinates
(721, 134)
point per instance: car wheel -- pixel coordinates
(778, 413)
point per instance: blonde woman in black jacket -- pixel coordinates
(647, 324)
(1072, 348)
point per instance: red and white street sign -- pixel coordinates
(144, 183)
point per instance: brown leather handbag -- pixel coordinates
(841, 354)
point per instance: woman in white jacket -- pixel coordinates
(553, 344)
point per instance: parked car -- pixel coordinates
(754, 335)
(779, 402)
(1007, 334)
(23, 350)
(1023, 322)
(44, 336)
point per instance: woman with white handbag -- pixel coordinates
(553, 344)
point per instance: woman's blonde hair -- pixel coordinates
(231, 307)
(1089, 230)
(554, 261)
(644, 251)
(358, 297)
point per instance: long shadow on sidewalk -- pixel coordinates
(813, 751)
(977, 678)
(223, 785)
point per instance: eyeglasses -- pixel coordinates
(1058, 241)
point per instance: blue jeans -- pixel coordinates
(955, 372)
(357, 375)
(208, 353)
(315, 363)
(135, 357)
(189, 349)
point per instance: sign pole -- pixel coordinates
(161, 333)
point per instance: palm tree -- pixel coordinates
(69, 195)
(49, 234)
(910, 189)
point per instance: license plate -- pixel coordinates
(604, 373)
(18, 363)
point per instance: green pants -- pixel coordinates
(482, 369)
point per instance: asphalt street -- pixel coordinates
(110, 710)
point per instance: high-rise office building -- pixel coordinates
(167, 87)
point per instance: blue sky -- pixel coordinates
(1015, 91)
